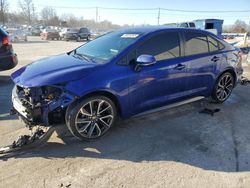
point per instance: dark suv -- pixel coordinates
(8, 59)
(83, 33)
(78, 35)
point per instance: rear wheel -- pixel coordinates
(91, 118)
(223, 87)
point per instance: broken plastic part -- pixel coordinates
(244, 81)
(25, 142)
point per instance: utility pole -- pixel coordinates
(96, 14)
(159, 16)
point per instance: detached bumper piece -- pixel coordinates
(244, 81)
(26, 142)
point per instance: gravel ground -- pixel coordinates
(175, 148)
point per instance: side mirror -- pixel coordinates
(144, 61)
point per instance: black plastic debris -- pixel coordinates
(209, 111)
(244, 81)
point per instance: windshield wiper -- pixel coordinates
(81, 56)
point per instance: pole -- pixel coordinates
(96, 14)
(159, 16)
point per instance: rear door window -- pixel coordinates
(163, 46)
(195, 43)
(213, 44)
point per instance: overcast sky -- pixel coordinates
(147, 16)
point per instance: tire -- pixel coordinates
(87, 38)
(91, 118)
(223, 87)
(78, 39)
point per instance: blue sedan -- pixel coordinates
(122, 74)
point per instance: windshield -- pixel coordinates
(105, 48)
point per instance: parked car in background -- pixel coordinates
(125, 73)
(8, 59)
(17, 35)
(62, 32)
(186, 25)
(77, 34)
(50, 34)
(71, 34)
(83, 33)
(35, 31)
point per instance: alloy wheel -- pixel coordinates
(224, 87)
(94, 118)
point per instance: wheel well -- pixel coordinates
(231, 72)
(106, 94)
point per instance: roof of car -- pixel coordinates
(150, 29)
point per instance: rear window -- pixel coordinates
(84, 30)
(196, 43)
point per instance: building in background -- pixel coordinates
(210, 25)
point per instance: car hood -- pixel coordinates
(52, 70)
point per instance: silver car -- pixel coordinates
(17, 35)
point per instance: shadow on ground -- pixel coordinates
(181, 135)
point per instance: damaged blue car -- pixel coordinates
(123, 74)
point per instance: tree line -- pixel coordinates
(48, 16)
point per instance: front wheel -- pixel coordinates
(91, 118)
(223, 87)
(78, 39)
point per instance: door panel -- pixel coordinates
(200, 73)
(157, 85)
(201, 61)
(165, 81)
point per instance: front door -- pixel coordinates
(163, 82)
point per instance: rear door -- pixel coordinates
(201, 56)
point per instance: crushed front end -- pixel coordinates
(44, 105)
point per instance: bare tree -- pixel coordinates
(239, 26)
(3, 10)
(28, 10)
(49, 16)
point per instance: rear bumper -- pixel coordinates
(8, 62)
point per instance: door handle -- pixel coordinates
(180, 67)
(215, 58)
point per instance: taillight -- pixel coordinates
(6, 41)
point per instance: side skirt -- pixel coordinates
(169, 106)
